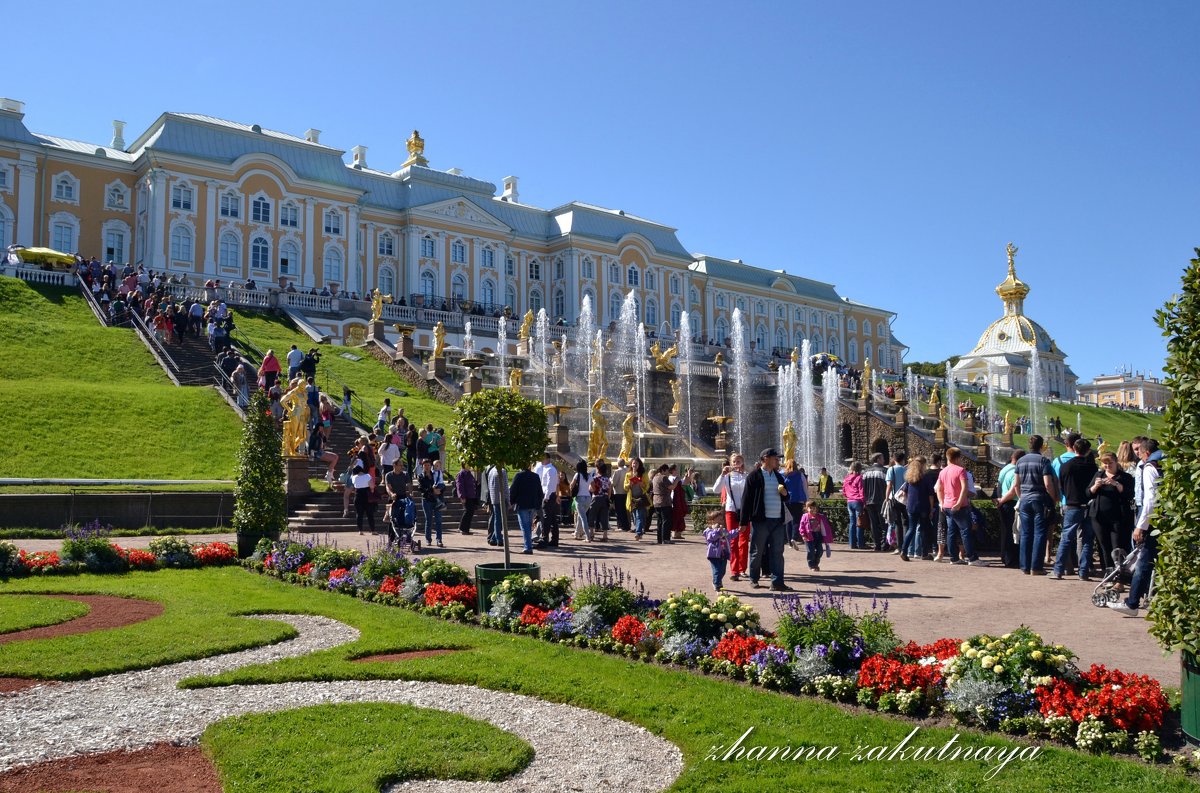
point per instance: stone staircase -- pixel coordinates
(322, 513)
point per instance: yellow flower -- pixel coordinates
(705, 610)
(1031, 643)
(1036, 655)
(714, 617)
(972, 653)
(998, 669)
(722, 618)
(965, 647)
(741, 615)
(696, 607)
(987, 661)
(1005, 636)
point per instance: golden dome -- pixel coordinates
(1012, 290)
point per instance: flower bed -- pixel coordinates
(825, 646)
(96, 554)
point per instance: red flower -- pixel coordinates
(304, 569)
(39, 560)
(628, 630)
(141, 560)
(340, 572)
(1125, 701)
(443, 595)
(216, 553)
(737, 648)
(532, 615)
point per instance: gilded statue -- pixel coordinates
(295, 427)
(439, 339)
(514, 380)
(597, 352)
(677, 392)
(789, 442)
(627, 436)
(795, 356)
(377, 301)
(1011, 250)
(526, 328)
(866, 379)
(662, 358)
(935, 396)
(943, 416)
(1008, 425)
(719, 360)
(598, 442)
(416, 150)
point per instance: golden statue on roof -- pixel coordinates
(1012, 254)
(416, 151)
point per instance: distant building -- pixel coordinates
(1005, 350)
(201, 197)
(1125, 390)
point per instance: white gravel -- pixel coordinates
(574, 749)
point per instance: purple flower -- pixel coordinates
(769, 656)
(559, 621)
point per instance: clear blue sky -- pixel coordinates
(890, 148)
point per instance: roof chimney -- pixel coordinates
(13, 106)
(312, 135)
(118, 139)
(454, 171)
(510, 190)
(360, 156)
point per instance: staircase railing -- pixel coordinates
(225, 383)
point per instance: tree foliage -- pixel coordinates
(499, 427)
(261, 507)
(932, 369)
(1175, 609)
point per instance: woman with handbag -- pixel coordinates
(581, 492)
(601, 491)
(732, 486)
(637, 499)
(364, 489)
(1111, 508)
(852, 489)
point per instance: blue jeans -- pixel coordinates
(767, 538)
(718, 570)
(494, 533)
(1141, 574)
(958, 524)
(433, 520)
(914, 541)
(814, 552)
(1073, 521)
(1033, 533)
(856, 532)
(639, 521)
(525, 520)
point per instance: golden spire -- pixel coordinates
(1012, 290)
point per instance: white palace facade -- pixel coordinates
(202, 198)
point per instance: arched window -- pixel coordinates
(387, 280)
(488, 293)
(722, 331)
(588, 268)
(614, 273)
(835, 346)
(260, 254)
(675, 285)
(387, 245)
(510, 297)
(694, 295)
(851, 325)
(884, 357)
(64, 232)
(720, 301)
(614, 306)
(633, 278)
(260, 210)
(487, 259)
(651, 313)
(181, 244)
(760, 337)
(799, 338)
(818, 344)
(230, 252)
(535, 300)
(651, 279)
(65, 189)
(880, 331)
(741, 303)
(231, 205)
(558, 267)
(333, 222)
(458, 252)
(676, 315)
(289, 257)
(535, 270)
(458, 287)
(867, 350)
(560, 303)
(333, 265)
(428, 248)
(866, 328)
(428, 286)
(781, 339)
(852, 351)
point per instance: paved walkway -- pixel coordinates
(926, 600)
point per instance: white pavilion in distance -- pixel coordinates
(1005, 350)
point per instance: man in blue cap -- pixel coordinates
(763, 507)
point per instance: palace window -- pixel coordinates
(558, 268)
(694, 294)
(799, 338)
(231, 205)
(458, 252)
(833, 321)
(428, 286)
(781, 339)
(181, 198)
(427, 248)
(880, 331)
(289, 216)
(510, 297)
(759, 308)
(487, 259)
(779, 312)
(289, 254)
(535, 300)
(387, 244)
(614, 306)
(333, 266)
(614, 273)
(741, 303)
(722, 331)
(674, 285)
(835, 346)
(458, 287)
(535, 270)
(651, 279)
(676, 315)
(114, 246)
(63, 235)
(333, 223)
(852, 351)
(799, 315)
(387, 280)
(760, 338)
(852, 325)
(588, 269)
(510, 267)
(867, 350)
(260, 210)
(230, 252)
(720, 301)
(260, 254)
(65, 189)
(560, 303)
(651, 313)
(818, 344)
(488, 292)
(866, 328)
(181, 244)
(633, 276)
(116, 197)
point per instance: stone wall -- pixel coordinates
(122, 510)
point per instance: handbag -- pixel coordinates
(862, 520)
(901, 494)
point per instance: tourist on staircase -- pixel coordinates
(268, 372)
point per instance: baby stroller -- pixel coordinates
(404, 520)
(1115, 585)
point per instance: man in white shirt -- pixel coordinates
(294, 359)
(549, 515)
(1150, 477)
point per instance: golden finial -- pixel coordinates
(416, 151)
(1012, 264)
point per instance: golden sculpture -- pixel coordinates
(1102, 449)
(416, 151)
(377, 301)
(719, 359)
(935, 398)
(439, 339)
(598, 441)
(677, 392)
(514, 380)
(943, 415)
(627, 437)
(662, 358)
(866, 378)
(295, 426)
(526, 326)
(795, 356)
(598, 350)
(1011, 250)
(1008, 425)
(789, 442)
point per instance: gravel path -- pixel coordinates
(574, 749)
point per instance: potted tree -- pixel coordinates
(501, 428)
(260, 508)
(1175, 610)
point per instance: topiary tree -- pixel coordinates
(1175, 610)
(260, 501)
(502, 428)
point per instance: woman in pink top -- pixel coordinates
(269, 370)
(852, 489)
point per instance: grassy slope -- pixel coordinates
(85, 401)
(367, 377)
(693, 711)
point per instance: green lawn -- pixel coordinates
(21, 612)
(693, 711)
(87, 401)
(367, 377)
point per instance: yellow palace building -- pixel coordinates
(201, 198)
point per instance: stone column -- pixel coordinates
(210, 226)
(412, 254)
(26, 187)
(156, 218)
(571, 294)
(354, 256)
(308, 273)
(370, 279)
